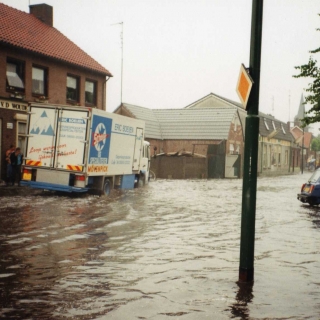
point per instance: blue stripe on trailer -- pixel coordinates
(51, 186)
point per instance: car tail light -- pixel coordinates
(303, 187)
(80, 178)
(311, 189)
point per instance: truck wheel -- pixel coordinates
(106, 187)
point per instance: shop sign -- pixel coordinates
(13, 105)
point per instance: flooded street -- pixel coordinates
(169, 250)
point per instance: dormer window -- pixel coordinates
(283, 129)
(265, 123)
(274, 126)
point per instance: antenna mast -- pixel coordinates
(121, 37)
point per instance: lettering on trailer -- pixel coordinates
(121, 160)
(119, 128)
(94, 168)
(100, 144)
(72, 128)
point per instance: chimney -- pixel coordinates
(43, 12)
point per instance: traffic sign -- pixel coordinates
(244, 85)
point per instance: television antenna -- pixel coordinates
(121, 37)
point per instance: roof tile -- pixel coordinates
(23, 30)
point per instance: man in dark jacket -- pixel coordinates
(9, 167)
(16, 162)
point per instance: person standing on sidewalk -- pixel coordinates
(16, 162)
(8, 161)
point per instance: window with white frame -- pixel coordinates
(273, 125)
(72, 88)
(39, 81)
(91, 92)
(283, 129)
(22, 127)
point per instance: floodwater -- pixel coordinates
(169, 250)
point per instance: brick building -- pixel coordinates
(215, 134)
(40, 64)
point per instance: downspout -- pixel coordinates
(104, 94)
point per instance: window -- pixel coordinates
(72, 88)
(22, 126)
(39, 81)
(15, 75)
(274, 126)
(231, 148)
(90, 92)
(266, 124)
(283, 129)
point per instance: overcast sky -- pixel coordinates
(178, 51)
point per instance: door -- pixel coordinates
(137, 149)
(216, 160)
(70, 141)
(41, 137)
(56, 138)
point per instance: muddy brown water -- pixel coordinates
(169, 250)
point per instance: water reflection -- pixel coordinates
(166, 251)
(240, 308)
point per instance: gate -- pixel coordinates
(216, 160)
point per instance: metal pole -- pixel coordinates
(121, 59)
(302, 147)
(121, 37)
(249, 190)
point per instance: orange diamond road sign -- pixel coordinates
(244, 86)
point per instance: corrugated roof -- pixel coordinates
(25, 31)
(153, 130)
(201, 124)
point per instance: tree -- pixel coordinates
(315, 144)
(312, 71)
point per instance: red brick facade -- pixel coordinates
(57, 78)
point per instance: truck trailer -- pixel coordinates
(80, 149)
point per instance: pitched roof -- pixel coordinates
(269, 126)
(213, 100)
(201, 124)
(25, 31)
(153, 129)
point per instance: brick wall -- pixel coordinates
(57, 78)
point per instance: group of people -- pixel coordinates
(14, 159)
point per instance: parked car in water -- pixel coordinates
(310, 191)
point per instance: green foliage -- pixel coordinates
(312, 71)
(315, 144)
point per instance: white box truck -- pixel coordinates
(79, 149)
